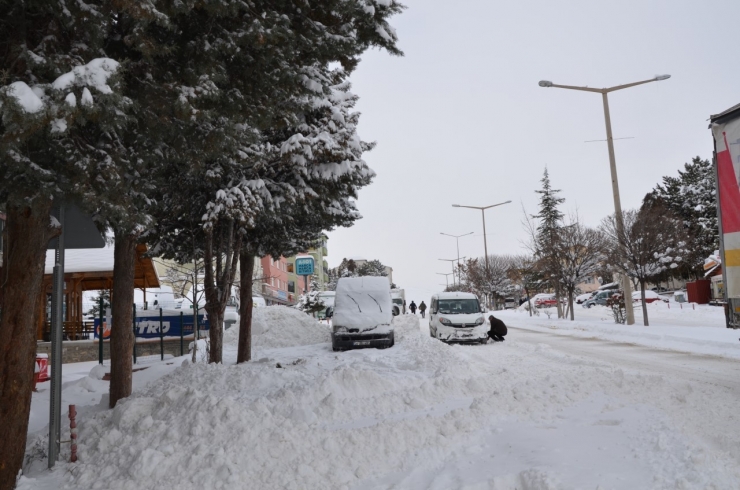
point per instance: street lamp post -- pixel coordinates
(447, 282)
(452, 262)
(626, 287)
(457, 241)
(483, 214)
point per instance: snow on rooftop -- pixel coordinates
(83, 260)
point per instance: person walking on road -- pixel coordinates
(498, 329)
(422, 308)
(412, 307)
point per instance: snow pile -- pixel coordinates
(280, 326)
(94, 74)
(26, 97)
(405, 326)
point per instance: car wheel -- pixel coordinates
(589, 305)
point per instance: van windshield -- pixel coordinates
(458, 306)
(398, 301)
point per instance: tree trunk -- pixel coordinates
(529, 302)
(557, 298)
(121, 334)
(214, 305)
(644, 305)
(28, 232)
(570, 305)
(246, 270)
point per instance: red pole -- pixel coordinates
(73, 433)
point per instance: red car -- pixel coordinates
(544, 300)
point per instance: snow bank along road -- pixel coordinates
(537, 412)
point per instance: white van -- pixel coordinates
(362, 313)
(457, 317)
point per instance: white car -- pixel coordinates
(584, 297)
(362, 313)
(650, 296)
(457, 317)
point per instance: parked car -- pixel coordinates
(650, 296)
(510, 303)
(544, 300)
(362, 313)
(584, 297)
(599, 298)
(457, 317)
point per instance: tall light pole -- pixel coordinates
(483, 213)
(626, 286)
(457, 241)
(447, 282)
(452, 262)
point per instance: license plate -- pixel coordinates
(361, 342)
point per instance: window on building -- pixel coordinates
(290, 267)
(291, 286)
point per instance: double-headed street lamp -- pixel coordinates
(452, 262)
(447, 282)
(483, 213)
(457, 241)
(626, 287)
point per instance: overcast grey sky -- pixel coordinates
(461, 119)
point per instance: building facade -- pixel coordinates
(321, 267)
(275, 282)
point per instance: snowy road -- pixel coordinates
(711, 370)
(541, 411)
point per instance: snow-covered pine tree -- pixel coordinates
(692, 197)
(257, 111)
(372, 268)
(310, 301)
(546, 234)
(59, 94)
(94, 311)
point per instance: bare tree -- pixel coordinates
(580, 253)
(490, 279)
(187, 279)
(653, 241)
(525, 272)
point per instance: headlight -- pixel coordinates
(445, 321)
(479, 321)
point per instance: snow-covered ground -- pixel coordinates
(692, 328)
(541, 411)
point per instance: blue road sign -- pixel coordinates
(304, 266)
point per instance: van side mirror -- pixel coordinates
(329, 312)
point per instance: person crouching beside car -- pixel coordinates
(498, 329)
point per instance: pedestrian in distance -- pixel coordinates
(422, 308)
(412, 307)
(498, 329)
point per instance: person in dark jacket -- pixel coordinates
(412, 307)
(498, 329)
(422, 308)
